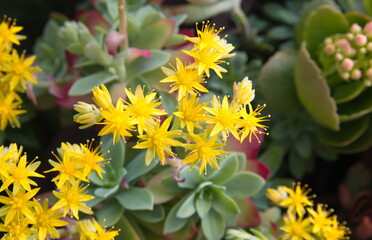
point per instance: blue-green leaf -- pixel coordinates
(110, 213)
(85, 84)
(136, 199)
(244, 184)
(213, 225)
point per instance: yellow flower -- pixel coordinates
(209, 49)
(243, 92)
(46, 220)
(19, 175)
(143, 108)
(277, 195)
(90, 229)
(68, 169)
(88, 114)
(4, 163)
(296, 229)
(71, 198)
(17, 205)
(250, 123)
(185, 79)
(117, 121)
(9, 110)
(8, 32)
(319, 218)
(18, 70)
(335, 231)
(91, 160)
(190, 113)
(204, 151)
(224, 118)
(102, 97)
(297, 199)
(17, 229)
(158, 140)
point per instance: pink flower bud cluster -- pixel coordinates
(349, 54)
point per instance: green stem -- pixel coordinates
(123, 28)
(240, 19)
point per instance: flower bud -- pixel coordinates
(356, 74)
(243, 92)
(355, 28)
(328, 40)
(339, 57)
(277, 195)
(329, 49)
(368, 29)
(369, 46)
(369, 73)
(362, 50)
(360, 39)
(350, 36)
(347, 64)
(345, 47)
(345, 75)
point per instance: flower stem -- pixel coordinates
(123, 29)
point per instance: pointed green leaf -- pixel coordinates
(314, 92)
(323, 22)
(86, 84)
(109, 213)
(244, 184)
(276, 82)
(136, 199)
(349, 132)
(213, 225)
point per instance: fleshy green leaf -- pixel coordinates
(213, 225)
(172, 222)
(347, 92)
(228, 166)
(276, 82)
(249, 216)
(86, 84)
(187, 208)
(132, 231)
(109, 213)
(158, 31)
(357, 17)
(203, 206)
(273, 158)
(323, 22)
(192, 178)
(278, 12)
(303, 145)
(137, 167)
(279, 33)
(349, 132)
(106, 192)
(244, 184)
(151, 216)
(298, 165)
(314, 92)
(225, 205)
(309, 8)
(141, 64)
(356, 108)
(136, 199)
(114, 152)
(158, 189)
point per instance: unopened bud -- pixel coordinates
(350, 36)
(345, 75)
(368, 83)
(356, 74)
(362, 50)
(328, 40)
(369, 73)
(339, 57)
(347, 64)
(329, 49)
(360, 39)
(368, 29)
(345, 47)
(355, 28)
(369, 46)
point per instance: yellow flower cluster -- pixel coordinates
(16, 73)
(22, 216)
(207, 126)
(302, 220)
